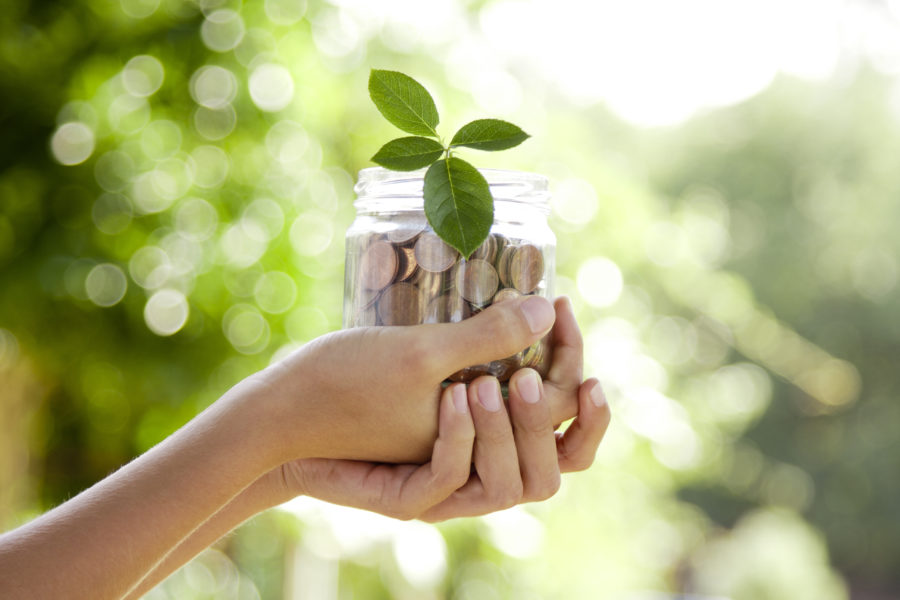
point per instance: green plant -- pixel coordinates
(457, 198)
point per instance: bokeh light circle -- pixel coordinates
(600, 281)
(222, 30)
(149, 266)
(285, 12)
(113, 170)
(271, 87)
(211, 166)
(287, 141)
(267, 214)
(196, 219)
(311, 233)
(160, 139)
(112, 213)
(246, 329)
(275, 292)
(128, 114)
(213, 86)
(166, 312)
(106, 284)
(72, 143)
(215, 124)
(143, 75)
(243, 243)
(575, 201)
(139, 9)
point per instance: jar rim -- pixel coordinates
(381, 175)
(380, 184)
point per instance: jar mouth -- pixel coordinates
(378, 184)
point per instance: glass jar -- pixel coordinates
(399, 272)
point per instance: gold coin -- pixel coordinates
(526, 268)
(503, 265)
(366, 298)
(476, 281)
(506, 294)
(365, 317)
(430, 284)
(406, 231)
(433, 254)
(406, 263)
(377, 265)
(400, 304)
(446, 308)
(488, 249)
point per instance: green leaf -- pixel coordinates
(408, 153)
(458, 204)
(404, 102)
(489, 134)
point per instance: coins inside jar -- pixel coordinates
(408, 275)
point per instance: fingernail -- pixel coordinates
(528, 387)
(597, 396)
(489, 394)
(538, 313)
(460, 403)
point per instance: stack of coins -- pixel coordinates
(408, 276)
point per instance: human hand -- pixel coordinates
(373, 393)
(516, 456)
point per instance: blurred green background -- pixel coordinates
(176, 179)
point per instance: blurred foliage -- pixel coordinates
(175, 180)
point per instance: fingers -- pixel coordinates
(577, 447)
(451, 459)
(567, 344)
(564, 376)
(535, 440)
(497, 483)
(495, 457)
(496, 333)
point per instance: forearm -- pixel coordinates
(262, 494)
(103, 541)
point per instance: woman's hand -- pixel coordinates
(516, 456)
(373, 393)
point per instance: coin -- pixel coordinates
(476, 281)
(526, 268)
(406, 263)
(433, 254)
(378, 265)
(503, 265)
(400, 304)
(367, 297)
(488, 249)
(430, 284)
(406, 231)
(366, 317)
(446, 308)
(506, 294)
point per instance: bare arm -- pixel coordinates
(340, 397)
(101, 542)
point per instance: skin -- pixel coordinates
(358, 418)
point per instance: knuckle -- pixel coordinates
(582, 462)
(534, 423)
(452, 479)
(495, 436)
(546, 487)
(507, 496)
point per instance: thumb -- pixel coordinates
(496, 333)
